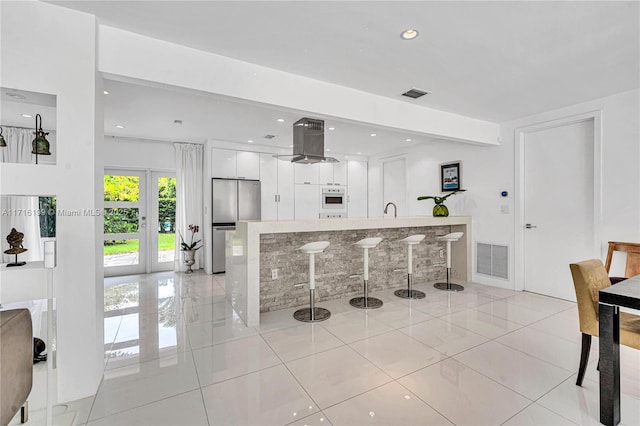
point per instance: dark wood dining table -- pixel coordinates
(611, 299)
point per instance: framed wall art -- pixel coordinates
(450, 176)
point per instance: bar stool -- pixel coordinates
(366, 302)
(410, 293)
(312, 314)
(448, 286)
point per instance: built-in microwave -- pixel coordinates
(333, 199)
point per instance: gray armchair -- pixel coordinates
(16, 363)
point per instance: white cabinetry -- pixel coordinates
(306, 173)
(285, 190)
(307, 201)
(230, 164)
(276, 178)
(268, 187)
(357, 189)
(340, 173)
(332, 173)
(247, 165)
(223, 163)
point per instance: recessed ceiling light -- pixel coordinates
(332, 128)
(290, 146)
(27, 115)
(327, 149)
(409, 34)
(250, 141)
(16, 95)
(280, 120)
(373, 134)
(106, 92)
(408, 140)
(119, 126)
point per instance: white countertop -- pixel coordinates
(315, 225)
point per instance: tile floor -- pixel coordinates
(177, 354)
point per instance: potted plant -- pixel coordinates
(190, 249)
(440, 210)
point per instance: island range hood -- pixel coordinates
(308, 142)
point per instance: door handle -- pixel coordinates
(530, 226)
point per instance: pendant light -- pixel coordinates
(3, 143)
(40, 145)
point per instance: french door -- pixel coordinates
(139, 222)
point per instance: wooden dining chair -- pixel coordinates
(589, 277)
(632, 267)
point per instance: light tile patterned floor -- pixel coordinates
(177, 354)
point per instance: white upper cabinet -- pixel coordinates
(325, 173)
(306, 173)
(230, 164)
(248, 165)
(357, 189)
(332, 173)
(340, 173)
(223, 163)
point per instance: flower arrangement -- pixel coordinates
(440, 210)
(192, 245)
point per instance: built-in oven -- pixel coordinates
(333, 199)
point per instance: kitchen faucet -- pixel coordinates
(395, 209)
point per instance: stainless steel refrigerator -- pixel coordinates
(232, 200)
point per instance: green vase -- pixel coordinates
(440, 210)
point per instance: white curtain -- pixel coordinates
(18, 211)
(189, 202)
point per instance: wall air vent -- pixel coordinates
(269, 136)
(415, 93)
(492, 260)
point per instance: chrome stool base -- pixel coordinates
(449, 287)
(365, 302)
(410, 294)
(319, 314)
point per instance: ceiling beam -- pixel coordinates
(130, 55)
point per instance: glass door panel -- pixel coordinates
(163, 215)
(124, 222)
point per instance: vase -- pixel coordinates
(189, 259)
(440, 210)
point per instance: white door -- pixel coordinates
(394, 186)
(340, 173)
(558, 206)
(125, 222)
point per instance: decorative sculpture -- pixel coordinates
(15, 243)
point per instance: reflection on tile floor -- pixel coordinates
(177, 353)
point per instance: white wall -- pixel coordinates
(49, 49)
(138, 154)
(487, 171)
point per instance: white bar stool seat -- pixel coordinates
(409, 292)
(448, 286)
(312, 314)
(366, 302)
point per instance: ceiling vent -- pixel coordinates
(415, 93)
(269, 136)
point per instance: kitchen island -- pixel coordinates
(258, 248)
